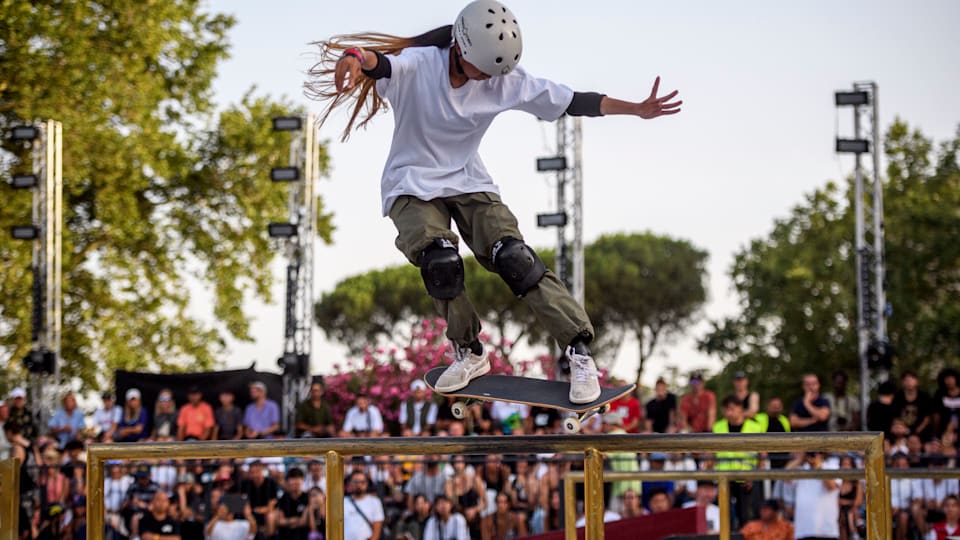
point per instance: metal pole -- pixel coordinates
(723, 497)
(334, 496)
(569, 507)
(562, 204)
(878, 232)
(57, 306)
(95, 508)
(877, 499)
(9, 499)
(578, 283)
(593, 493)
(860, 246)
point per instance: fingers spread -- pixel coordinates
(656, 85)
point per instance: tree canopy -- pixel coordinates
(162, 195)
(797, 285)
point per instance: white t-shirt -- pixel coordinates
(369, 420)
(438, 128)
(238, 529)
(354, 526)
(817, 511)
(608, 516)
(454, 529)
(104, 419)
(501, 410)
(712, 513)
(417, 408)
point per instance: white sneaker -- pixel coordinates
(584, 382)
(466, 366)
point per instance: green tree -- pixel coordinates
(160, 193)
(647, 285)
(797, 286)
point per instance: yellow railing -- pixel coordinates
(9, 498)
(592, 447)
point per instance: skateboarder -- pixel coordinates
(445, 87)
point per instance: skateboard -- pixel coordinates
(528, 391)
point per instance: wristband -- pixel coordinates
(356, 52)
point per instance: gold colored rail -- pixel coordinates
(591, 446)
(9, 498)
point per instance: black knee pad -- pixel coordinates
(518, 265)
(442, 270)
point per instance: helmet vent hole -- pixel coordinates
(489, 24)
(499, 59)
(514, 35)
(514, 21)
(492, 11)
(501, 36)
(504, 21)
(515, 58)
(504, 9)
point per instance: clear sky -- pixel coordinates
(756, 132)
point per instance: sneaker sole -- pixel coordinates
(587, 399)
(451, 389)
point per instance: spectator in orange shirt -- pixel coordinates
(195, 420)
(770, 526)
(698, 407)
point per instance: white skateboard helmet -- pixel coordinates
(489, 37)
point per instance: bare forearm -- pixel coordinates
(609, 105)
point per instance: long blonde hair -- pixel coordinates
(320, 84)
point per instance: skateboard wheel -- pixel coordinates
(571, 425)
(459, 410)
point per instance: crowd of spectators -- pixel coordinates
(489, 497)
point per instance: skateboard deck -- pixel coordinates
(529, 391)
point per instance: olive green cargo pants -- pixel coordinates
(482, 220)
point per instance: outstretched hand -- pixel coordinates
(654, 106)
(347, 72)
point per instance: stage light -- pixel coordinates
(281, 230)
(853, 146)
(851, 98)
(287, 123)
(558, 219)
(24, 232)
(24, 181)
(558, 163)
(285, 174)
(24, 133)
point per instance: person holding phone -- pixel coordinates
(225, 525)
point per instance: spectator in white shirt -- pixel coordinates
(416, 412)
(445, 524)
(225, 526)
(817, 507)
(509, 416)
(362, 511)
(363, 419)
(106, 418)
(316, 477)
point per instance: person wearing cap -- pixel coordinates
(417, 413)
(20, 413)
(107, 418)
(195, 420)
(620, 461)
(446, 87)
(133, 423)
(698, 407)
(314, 417)
(741, 389)
(770, 526)
(261, 418)
(67, 421)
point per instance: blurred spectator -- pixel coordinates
(816, 508)
(261, 492)
(770, 526)
(225, 526)
(504, 524)
(627, 407)
(314, 418)
(741, 493)
(115, 488)
(5, 444)
(158, 523)
(914, 406)
(292, 509)
(412, 526)
(445, 524)
(77, 529)
(620, 461)
(261, 418)
(683, 490)
(138, 499)
(55, 485)
(228, 419)
(416, 413)
(655, 462)
(164, 417)
(195, 421)
(947, 399)
(705, 497)
(844, 408)
(525, 491)
(363, 419)
(107, 418)
(509, 416)
(630, 505)
(194, 508)
(133, 424)
(20, 413)
(317, 515)
(467, 493)
(741, 389)
(428, 482)
(950, 526)
(850, 499)
(661, 410)
(811, 412)
(362, 512)
(544, 420)
(51, 523)
(881, 412)
(899, 432)
(67, 421)
(315, 477)
(773, 421)
(698, 407)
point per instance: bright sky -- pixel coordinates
(756, 132)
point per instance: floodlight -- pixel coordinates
(557, 163)
(287, 123)
(24, 133)
(281, 230)
(25, 232)
(859, 97)
(853, 146)
(24, 181)
(285, 174)
(558, 219)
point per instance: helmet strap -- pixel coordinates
(456, 60)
